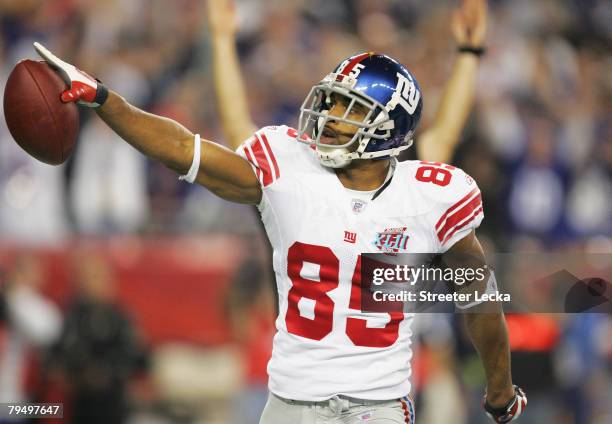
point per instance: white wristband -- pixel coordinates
(191, 175)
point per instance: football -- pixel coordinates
(39, 122)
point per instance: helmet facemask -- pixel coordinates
(375, 124)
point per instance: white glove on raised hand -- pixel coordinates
(84, 89)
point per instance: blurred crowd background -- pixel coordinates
(126, 292)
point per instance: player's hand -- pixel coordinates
(511, 411)
(222, 17)
(84, 89)
(469, 23)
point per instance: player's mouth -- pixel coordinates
(329, 136)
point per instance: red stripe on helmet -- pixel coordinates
(354, 61)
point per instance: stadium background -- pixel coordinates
(192, 327)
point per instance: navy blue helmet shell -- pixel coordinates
(379, 80)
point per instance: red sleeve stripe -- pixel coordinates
(460, 203)
(259, 154)
(458, 216)
(262, 161)
(460, 226)
(271, 158)
(265, 159)
(250, 158)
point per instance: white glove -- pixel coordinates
(84, 89)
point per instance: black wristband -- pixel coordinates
(478, 51)
(101, 93)
(496, 412)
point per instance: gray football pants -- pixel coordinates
(338, 410)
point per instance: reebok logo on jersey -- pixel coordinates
(392, 240)
(358, 205)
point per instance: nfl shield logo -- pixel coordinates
(358, 205)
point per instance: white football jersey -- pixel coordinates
(324, 344)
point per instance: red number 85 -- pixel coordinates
(317, 290)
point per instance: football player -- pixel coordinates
(326, 192)
(437, 143)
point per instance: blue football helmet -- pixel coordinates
(376, 83)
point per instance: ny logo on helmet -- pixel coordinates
(406, 94)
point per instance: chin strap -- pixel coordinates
(333, 158)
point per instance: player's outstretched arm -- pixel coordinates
(228, 81)
(438, 143)
(486, 327)
(222, 171)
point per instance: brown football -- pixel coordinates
(39, 122)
